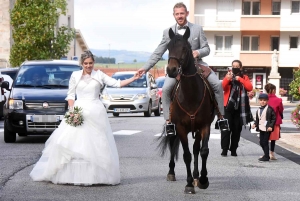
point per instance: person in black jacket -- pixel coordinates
(264, 123)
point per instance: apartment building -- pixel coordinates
(250, 30)
(77, 46)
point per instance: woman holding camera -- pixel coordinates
(237, 108)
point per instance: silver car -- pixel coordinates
(139, 96)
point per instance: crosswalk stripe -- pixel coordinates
(126, 132)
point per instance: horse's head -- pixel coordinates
(179, 52)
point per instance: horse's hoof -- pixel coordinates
(203, 186)
(189, 190)
(196, 182)
(171, 177)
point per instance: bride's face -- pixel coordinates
(88, 65)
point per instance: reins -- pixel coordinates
(192, 116)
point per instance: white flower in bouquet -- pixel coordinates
(74, 117)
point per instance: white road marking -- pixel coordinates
(126, 132)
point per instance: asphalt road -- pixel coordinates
(143, 171)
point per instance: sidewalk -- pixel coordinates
(289, 141)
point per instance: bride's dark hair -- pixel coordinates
(85, 55)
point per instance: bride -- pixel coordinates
(86, 154)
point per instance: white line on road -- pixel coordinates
(126, 132)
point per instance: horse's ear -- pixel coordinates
(187, 33)
(171, 33)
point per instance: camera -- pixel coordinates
(230, 71)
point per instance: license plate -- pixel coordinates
(45, 118)
(122, 110)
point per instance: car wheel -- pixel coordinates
(116, 114)
(148, 113)
(9, 137)
(22, 134)
(157, 112)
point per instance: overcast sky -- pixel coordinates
(135, 25)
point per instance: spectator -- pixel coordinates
(264, 123)
(237, 107)
(276, 104)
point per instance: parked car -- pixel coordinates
(8, 74)
(160, 83)
(36, 103)
(139, 96)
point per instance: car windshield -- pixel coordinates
(140, 83)
(160, 82)
(48, 76)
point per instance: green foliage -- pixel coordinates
(105, 60)
(295, 84)
(35, 32)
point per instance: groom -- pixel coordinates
(200, 49)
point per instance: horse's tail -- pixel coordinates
(170, 142)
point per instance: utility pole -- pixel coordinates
(108, 54)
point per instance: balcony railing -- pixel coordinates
(218, 22)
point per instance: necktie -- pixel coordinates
(183, 27)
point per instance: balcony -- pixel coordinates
(256, 58)
(218, 22)
(260, 23)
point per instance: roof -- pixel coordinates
(9, 69)
(61, 62)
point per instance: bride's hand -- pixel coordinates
(136, 76)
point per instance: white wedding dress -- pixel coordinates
(82, 155)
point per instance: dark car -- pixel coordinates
(7, 74)
(36, 103)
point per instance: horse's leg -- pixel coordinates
(204, 151)
(196, 150)
(171, 174)
(187, 157)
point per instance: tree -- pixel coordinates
(134, 61)
(295, 84)
(35, 32)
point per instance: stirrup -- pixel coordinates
(170, 129)
(223, 125)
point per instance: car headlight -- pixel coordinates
(16, 104)
(105, 96)
(140, 96)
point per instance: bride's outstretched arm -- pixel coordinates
(128, 81)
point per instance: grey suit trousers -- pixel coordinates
(170, 82)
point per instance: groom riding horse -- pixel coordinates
(192, 110)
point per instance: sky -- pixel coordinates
(133, 25)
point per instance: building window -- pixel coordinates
(225, 10)
(276, 7)
(251, 7)
(223, 43)
(295, 6)
(250, 43)
(293, 42)
(274, 43)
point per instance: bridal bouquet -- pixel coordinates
(74, 117)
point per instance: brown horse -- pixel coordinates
(191, 110)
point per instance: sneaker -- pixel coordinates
(170, 129)
(263, 159)
(224, 153)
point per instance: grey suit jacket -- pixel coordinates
(197, 40)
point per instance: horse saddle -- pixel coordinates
(204, 70)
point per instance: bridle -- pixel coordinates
(181, 61)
